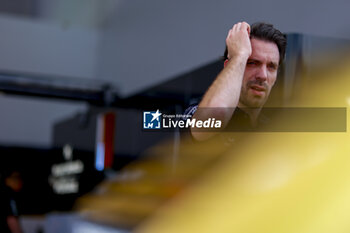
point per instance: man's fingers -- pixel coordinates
(239, 25)
(246, 26)
(229, 33)
(234, 28)
(237, 40)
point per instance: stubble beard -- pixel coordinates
(249, 100)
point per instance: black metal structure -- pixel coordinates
(91, 91)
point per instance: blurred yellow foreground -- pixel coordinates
(263, 183)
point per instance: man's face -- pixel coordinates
(260, 73)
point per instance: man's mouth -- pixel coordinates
(258, 88)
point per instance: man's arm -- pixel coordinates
(224, 93)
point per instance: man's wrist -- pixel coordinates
(239, 59)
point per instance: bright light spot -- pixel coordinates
(100, 157)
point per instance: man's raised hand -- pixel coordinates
(238, 41)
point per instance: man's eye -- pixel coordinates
(272, 67)
(251, 62)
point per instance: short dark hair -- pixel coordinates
(267, 32)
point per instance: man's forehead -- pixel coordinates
(263, 50)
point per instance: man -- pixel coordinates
(11, 182)
(252, 58)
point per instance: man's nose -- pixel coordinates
(262, 73)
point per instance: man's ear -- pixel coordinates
(225, 63)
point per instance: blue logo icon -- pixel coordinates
(151, 120)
